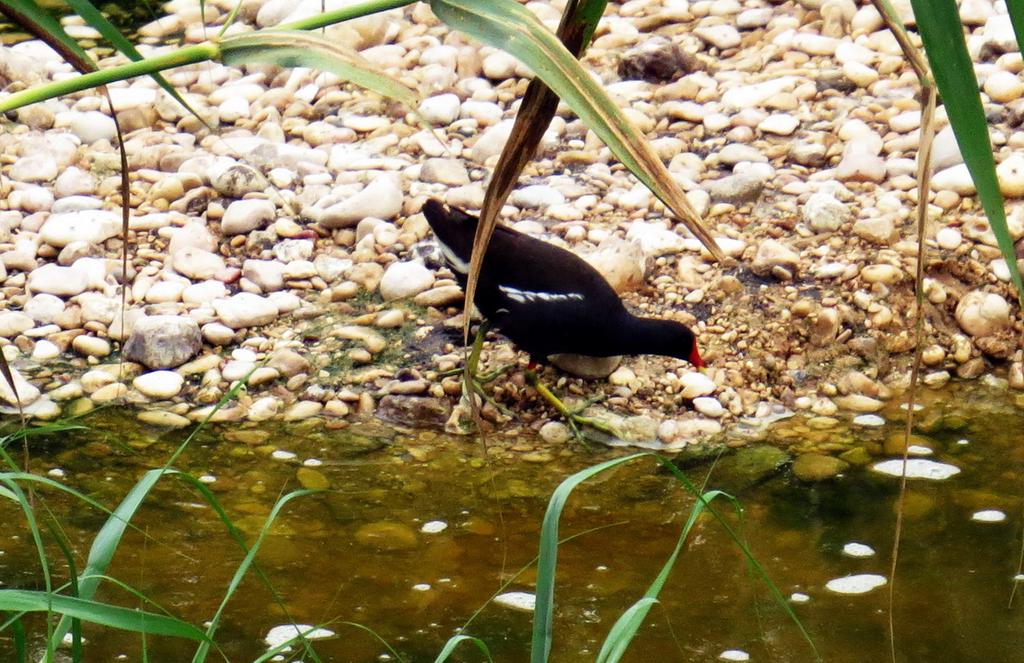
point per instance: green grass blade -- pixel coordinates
(301, 49)
(127, 619)
(20, 644)
(511, 27)
(624, 629)
(242, 570)
(744, 549)
(97, 20)
(627, 625)
(942, 34)
(455, 641)
(546, 564)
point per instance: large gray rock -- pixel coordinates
(163, 341)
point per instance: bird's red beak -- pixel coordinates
(695, 357)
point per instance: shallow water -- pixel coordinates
(355, 553)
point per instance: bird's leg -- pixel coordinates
(472, 384)
(571, 416)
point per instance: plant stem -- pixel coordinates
(345, 14)
(176, 58)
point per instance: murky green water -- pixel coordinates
(356, 553)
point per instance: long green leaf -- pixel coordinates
(511, 27)
(942, 34)
(302, 49)
(455, 641)
(242, 570)
(128, 619)
(627, 625)
(97, 20)
(544, 610)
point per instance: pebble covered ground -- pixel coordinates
(286, 243)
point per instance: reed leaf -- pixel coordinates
(538, 106)
(127, 619)
(942, 34)
(97, 20)
(511, 27)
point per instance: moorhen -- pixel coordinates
(550, 301)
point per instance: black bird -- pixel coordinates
(548, 300)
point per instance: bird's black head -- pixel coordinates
(652, 336)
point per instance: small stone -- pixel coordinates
(876, 229)
(92, 126)
(817, 467)
(917, 468)
(523, 601)
(244, 216)
(94, 226)
(555, 432)
(656, 60)
(772, 253)
(163, 341)
(859, 403)
(696, 384)
(981, 313)
(1011, 175)
(302, 410)
(405, 279)
(536, 196)
(655, 239)
(441, 109)
(855, 584)
(385, 535)
(197, 264)
(381, 199)
(948, 238)
(159, 384)
(1003, 87)
(91, 346)
(23, 393)
(444, 171)
(245, 309)
(709, 406)
(855, 549)
(13, 323)
(238, 180)
(825, 213)
(591, 368)
(988, 516)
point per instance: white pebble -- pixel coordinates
(917, 468)
(854, 549)
(524, 601)
(434, 527)
(855, 584)
(871, 420)
(988, 516)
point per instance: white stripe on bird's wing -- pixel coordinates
(523, 296)
(454, 262)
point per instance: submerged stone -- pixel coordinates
(856, 584)
(917, 468)
(387, 535)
